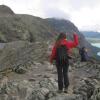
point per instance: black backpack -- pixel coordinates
(61, 54)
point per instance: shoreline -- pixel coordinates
(96, 45)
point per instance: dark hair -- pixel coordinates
(83, 48)
(60, 37)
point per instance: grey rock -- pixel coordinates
(46, 89)
(67, 97)
(85, 88)
(4, 97)
(20, 70)
(21, 55)
(24, 89)
(3, 85)
(96, 94)
(50, 84)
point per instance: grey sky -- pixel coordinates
(84, 13)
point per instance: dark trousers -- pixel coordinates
(83, 58)
(62, 70)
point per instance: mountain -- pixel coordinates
(23, 27)
(61, 25)
(26, 27)
(25, 71)
(16, 27)
(4, 10)
(91, 34)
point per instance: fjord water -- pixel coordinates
(97, 45)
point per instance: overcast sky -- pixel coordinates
(83, 13)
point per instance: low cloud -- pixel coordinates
(77, 5)
(56, 13)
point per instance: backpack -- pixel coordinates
(61, 54)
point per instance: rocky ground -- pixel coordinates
(40, 83)
(26, 74)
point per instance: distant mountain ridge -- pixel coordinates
(91, 34)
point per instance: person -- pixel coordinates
(84, 55)
(62, 68)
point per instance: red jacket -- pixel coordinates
(68, 44)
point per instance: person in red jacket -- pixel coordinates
(62, 69)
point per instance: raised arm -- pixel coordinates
(74, 43)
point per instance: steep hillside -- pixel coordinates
(23, 27)
(15, 27)
(38, 27)
(27, 27)
(4, 10)
(12, 29)
(61, 25)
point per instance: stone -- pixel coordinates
(20, 70)
(31, 79)
(96, 94)
(85, 88)
(67, 97)
(50, 84)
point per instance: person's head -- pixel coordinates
(83, 48)
(61, 36)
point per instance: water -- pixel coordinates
(97, 45)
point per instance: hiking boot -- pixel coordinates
(66, 90)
